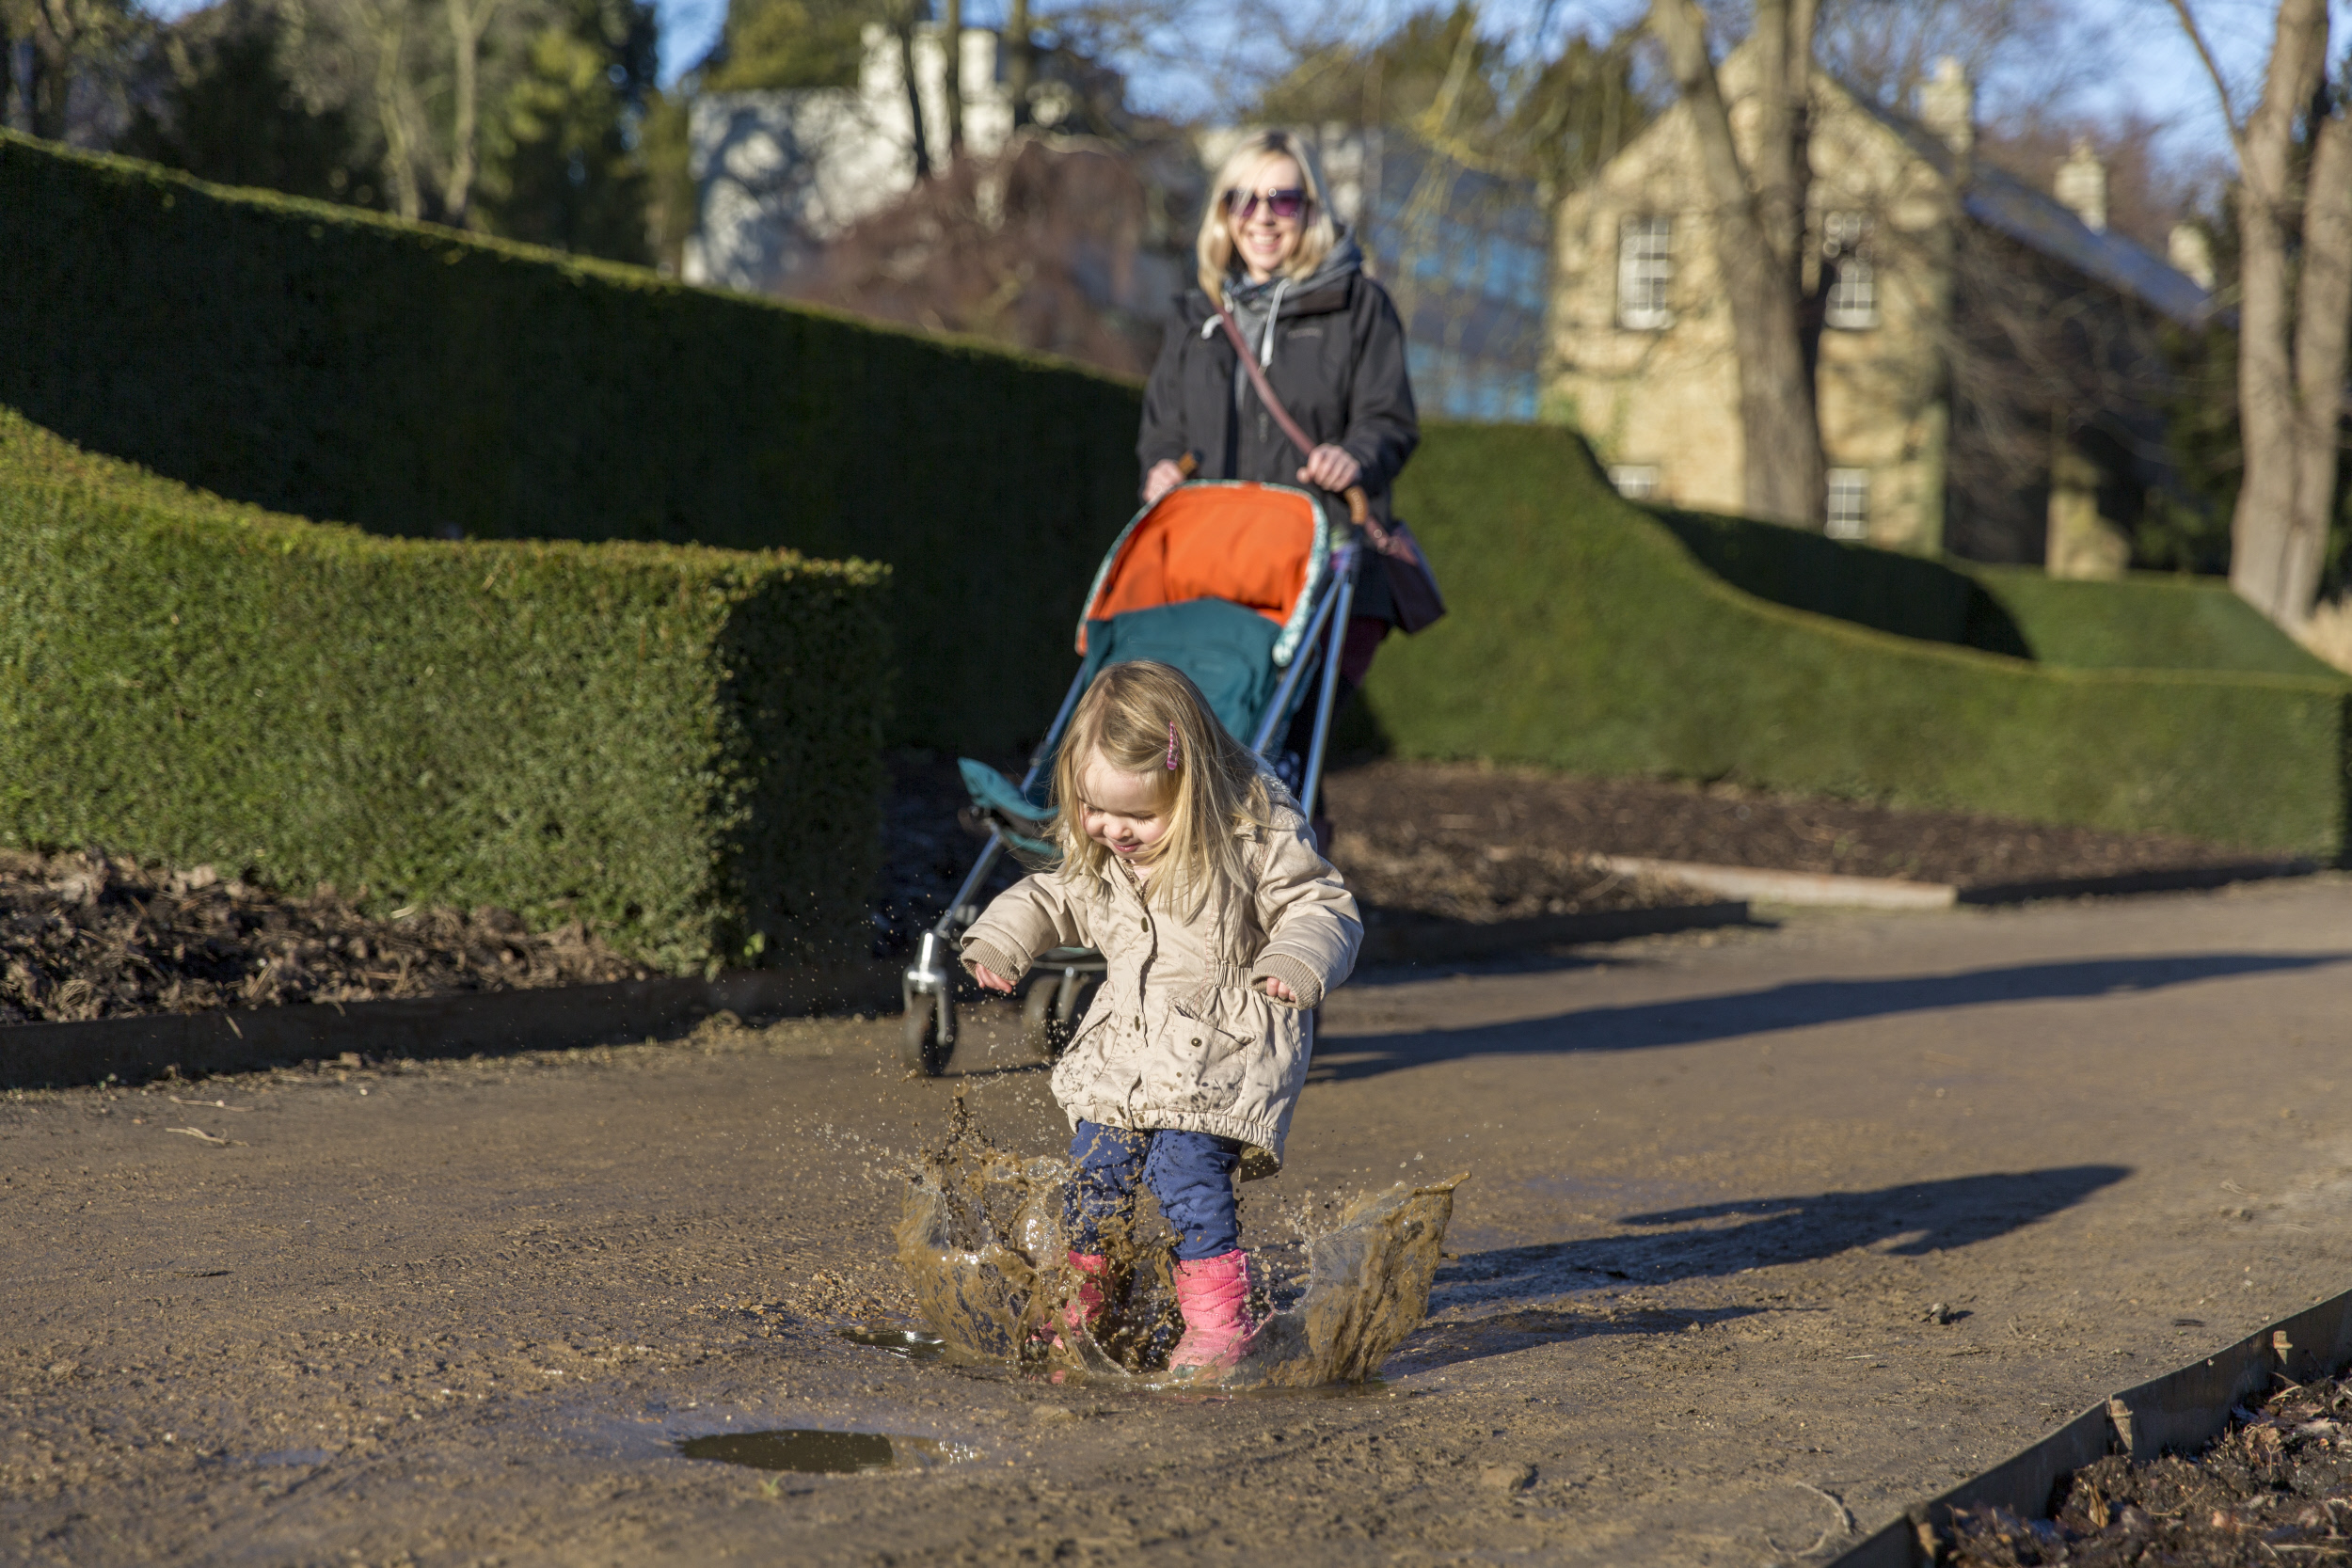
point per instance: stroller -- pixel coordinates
(1245, 588)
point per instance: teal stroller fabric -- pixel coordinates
(1226, 648)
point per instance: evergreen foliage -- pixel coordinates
(676, 745)
(329, 363)
(1584, 637)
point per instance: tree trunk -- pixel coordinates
(2323, 316)
(387, 26)
(1020, 62)
(951, 83)
(2291, 340)
(1758, 222)
(466, 24)
(904, 25)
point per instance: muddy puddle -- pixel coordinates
(980, 1236)
(816, 1452)
(911, 1344)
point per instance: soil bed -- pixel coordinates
(2277, 1487)
(1481, 817)
(85, 936)
(89, 936)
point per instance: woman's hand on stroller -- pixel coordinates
(1165, 476)
(1278, 991)
(1329, 467)
(989, 979)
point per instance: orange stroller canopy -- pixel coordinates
(1263, 546)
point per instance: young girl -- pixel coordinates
(1191, 870)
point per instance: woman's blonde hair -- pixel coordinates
(1215, 247)
(1127, 716)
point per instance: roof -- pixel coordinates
(1999, 199)
(2034, 218)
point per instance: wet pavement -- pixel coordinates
(1764, 1232)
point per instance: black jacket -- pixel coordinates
(1339, 367)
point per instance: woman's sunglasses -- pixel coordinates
(1280, 204)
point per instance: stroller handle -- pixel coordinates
(1358, 504)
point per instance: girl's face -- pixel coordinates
(1125, 812)
(1262, 239)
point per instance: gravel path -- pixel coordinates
(460, 1313)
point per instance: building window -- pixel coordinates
(1853, 295)
(1849, 503)
(1646, 268)
(1635, 481)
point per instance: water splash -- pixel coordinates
(979, 1235)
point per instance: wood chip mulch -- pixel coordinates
(1400, 821)
(2276, 1488)
(86, 936)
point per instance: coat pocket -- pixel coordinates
(1224, 1029)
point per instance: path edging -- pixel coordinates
(1828, 889)
(465, 1023)
(2183, 1410)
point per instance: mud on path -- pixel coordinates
(460, 1313)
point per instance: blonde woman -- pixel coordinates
(1326, 336)
(1191, 871)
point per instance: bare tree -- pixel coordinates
(1019, 59)
(951, 77)
(1757, 219)
(468, 20)
(2295, 285)
(70, 41)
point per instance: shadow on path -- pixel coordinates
(1444, 1344)
(1800, 1004)
(1714, 1240)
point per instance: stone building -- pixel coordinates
(1988, 357)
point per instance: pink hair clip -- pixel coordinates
(1171, 744)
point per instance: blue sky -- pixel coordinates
(2153, 70)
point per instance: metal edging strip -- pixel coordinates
(2183, 1410)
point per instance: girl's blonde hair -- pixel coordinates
(1214, 789)
(1215, 247)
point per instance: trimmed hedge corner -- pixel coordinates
(412, 380)
(2147, 621)
(1585, 636)
(677, 745)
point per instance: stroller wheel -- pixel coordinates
(918, 1039)
(1049, 1015)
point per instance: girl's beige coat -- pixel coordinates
(1178, 1036)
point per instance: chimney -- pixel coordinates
(2082, 184)
(1948, 105)
(2191, 254)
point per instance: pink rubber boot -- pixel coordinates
(1084, 1308)
(1214, 1296)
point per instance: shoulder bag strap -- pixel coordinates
(1358, 505)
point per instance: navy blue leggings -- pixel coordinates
(1190, 1174)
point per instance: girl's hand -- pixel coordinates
(1278, 991)
(1331, 467)
(1165, 476)
(991, 979)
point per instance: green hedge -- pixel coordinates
(411, 380)
(2144, 622)
(677, 745)
(1887, 591)
(1585, 636)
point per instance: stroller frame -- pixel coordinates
(1065, 975)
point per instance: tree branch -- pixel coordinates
(2213, 69)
